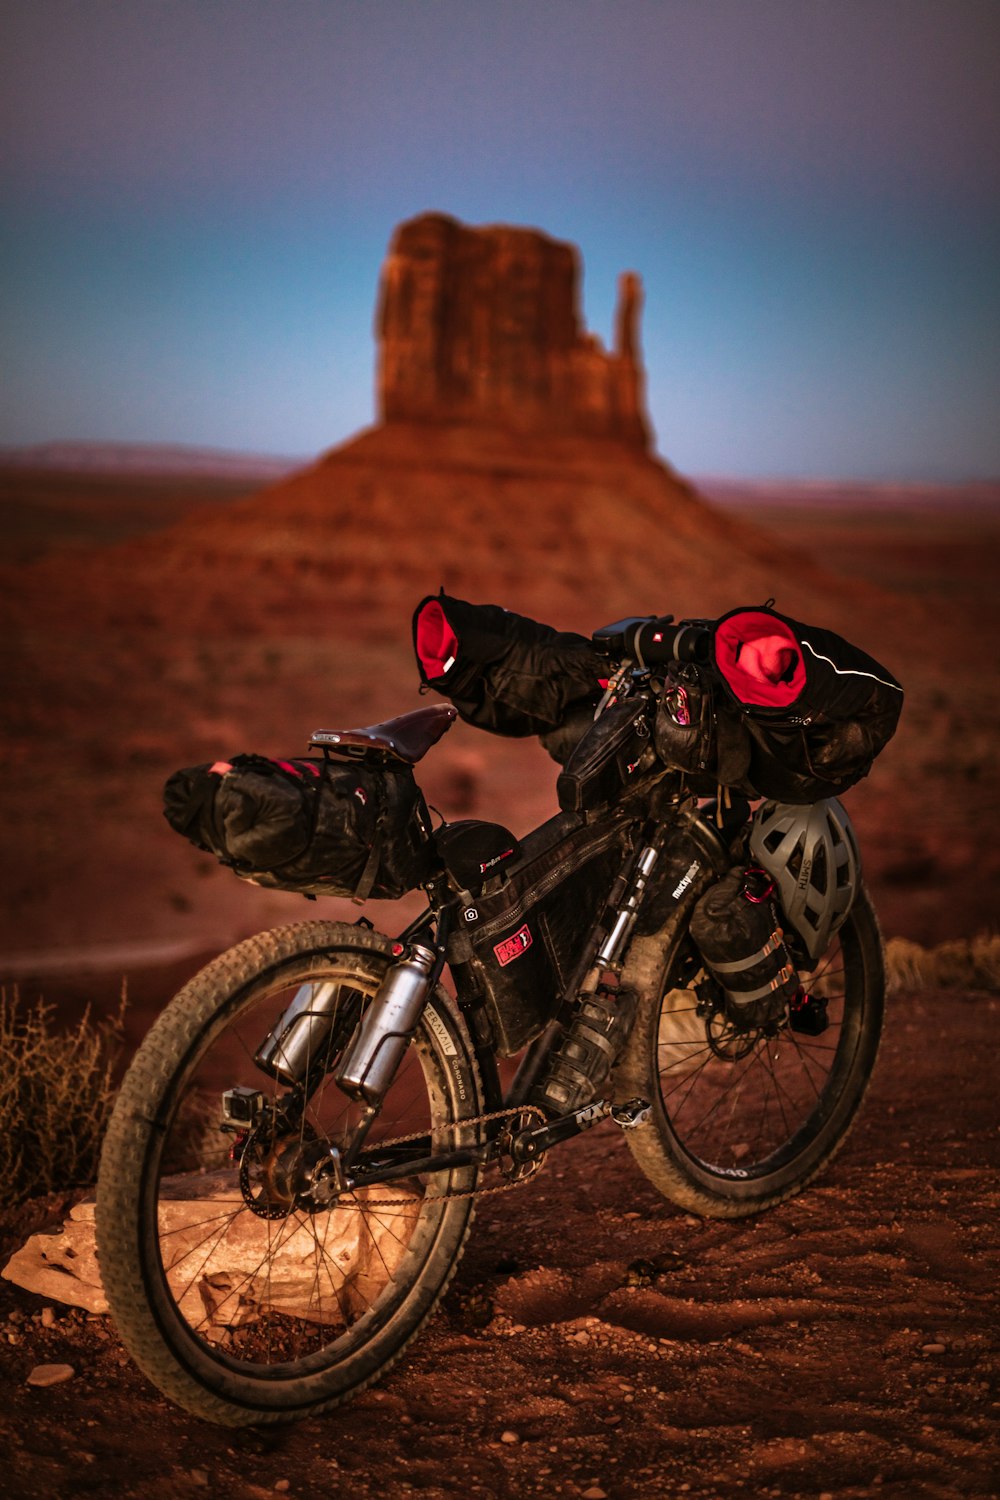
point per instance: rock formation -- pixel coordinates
(481, 326)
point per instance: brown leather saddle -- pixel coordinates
(407, 738)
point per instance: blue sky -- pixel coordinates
(196, 197)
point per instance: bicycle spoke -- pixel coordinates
(736, 1100)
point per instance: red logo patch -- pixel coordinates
(513, 947)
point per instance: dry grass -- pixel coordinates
(57, 1089)
(966, 963)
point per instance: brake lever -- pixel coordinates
(613, 688)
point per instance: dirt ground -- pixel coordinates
(599, 1342)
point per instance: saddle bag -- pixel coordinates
(310, 825)
(502, 671)
(523, 934)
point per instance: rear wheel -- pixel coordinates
(740, 1122)
(245, 1284)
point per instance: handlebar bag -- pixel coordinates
(693, 733)
(502, 671)
(522, 936)
(310, 825)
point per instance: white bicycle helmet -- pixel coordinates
(812, 856)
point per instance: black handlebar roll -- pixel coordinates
(658, 642)
(655, 640)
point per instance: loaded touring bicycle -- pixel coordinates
(686, 948)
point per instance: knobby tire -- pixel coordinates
(215, 1326)
(733, 1135)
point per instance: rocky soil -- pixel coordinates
(598, 1342)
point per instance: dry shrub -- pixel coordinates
(965, 963)
(57, 1089)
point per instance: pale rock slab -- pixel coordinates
(224, 1264)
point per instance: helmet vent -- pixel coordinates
(814, 841)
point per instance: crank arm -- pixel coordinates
(529, 1144)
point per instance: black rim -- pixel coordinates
(277, 1299)
(745, 1108)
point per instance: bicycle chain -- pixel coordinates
(503, 1187)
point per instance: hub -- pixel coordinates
(290, 1173)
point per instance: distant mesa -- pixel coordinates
(481, 327)
(148, 460)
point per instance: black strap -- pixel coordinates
(368, 874)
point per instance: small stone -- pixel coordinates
(282, 1485)
(48, 1317)
(595, 1493)
(933, 1349)
(199, 1476)
(45, 1375)
(509, 1437)
(15, 1316)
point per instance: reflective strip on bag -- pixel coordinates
(772, 945)
(746, 997)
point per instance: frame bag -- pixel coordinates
(521, 936)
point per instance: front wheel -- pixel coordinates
(244, 1281)
(741, 1122)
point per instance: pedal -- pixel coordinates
(635, 1112)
